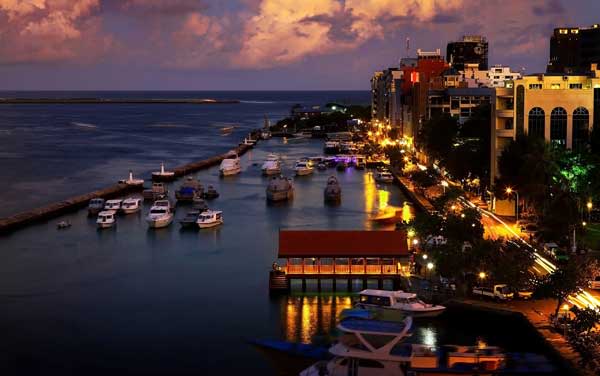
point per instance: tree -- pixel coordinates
(423, 179)
(511, 265)
(585, 319)
(464, 227)
(438, 135)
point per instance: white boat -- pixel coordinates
(113, 205)
(230, 165)
(399, 300)
(160, 215)
(106, 219)
(189, 189)
(303, 168)
(95, 206)
(210, 218)
(248, 141)
(131, 205)
(272, 166)
(280, 188)
(131, 181)
(383, 177)
(333, 191)
(163, 175)
(190, 219)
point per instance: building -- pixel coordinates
(472, 49)
(499, 75)
(574, 49)
(376, 96)
(458, 102)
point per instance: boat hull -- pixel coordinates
(210, 224)
(269, 172)
(303, 172)
(159, 223)
(94, 211)
(130, 210)
(432, 312)
(280, 195)
(230, 172)
(104, 225)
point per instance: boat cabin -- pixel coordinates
(387, 298)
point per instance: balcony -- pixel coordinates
(505, 133)
(505, 113)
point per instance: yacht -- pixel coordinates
(113, 205)
(95, 206)
(384, 177)
(280, 188)
(211, 193)
(131, 205)
(272, 166)
(333, 191)
(303, 168)
(131, 181)
(158, 191)
(163, 175)
(106, 219)
(189, 189)
(406, 302)
(230, 165)
(190, 219)
(161, 214)
(210, 218)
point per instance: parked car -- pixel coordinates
(497, 292)
(595, 283)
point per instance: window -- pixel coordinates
(497, 77)
(535, 86)
(536, 125)
(575, 86)
(508, 124)
(581, 123)
(558, 127)
(555, 86)
(368, 363)
(520, 109)
(454, 104)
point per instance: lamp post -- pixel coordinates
(482, 276)
(509, 190)
(589, 208)
(429, 267)
(565, 308)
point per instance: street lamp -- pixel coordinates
(589, 208)
(424, 256)
(429, 267)
(509, 190)
(482, 276)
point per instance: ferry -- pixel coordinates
(113, 205)
(95, 206)
(210, 218)
(160, 215)
(406, 302)
(333, 191)
(106, 219)
(131, 205)
(230, 165)
(163, 175)
(280, 188)
(303, 168)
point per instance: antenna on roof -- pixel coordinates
(407, 46)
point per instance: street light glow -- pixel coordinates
(482, 275)
(429, 265)
(424, 256)
(589, 205)
(509, 190)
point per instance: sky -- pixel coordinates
(258, 44)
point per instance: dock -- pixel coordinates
(116, 101)
(56, 209)
(339, 256)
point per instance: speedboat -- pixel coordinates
(271, 166)
(106, 219)
(333, 191)
(131, 205)
(95, 206)
(383, 177)
(399, 300)
(280, 188)
(131, 181)
(230, 165)
(210, 218)
(303, 168)
(113, 205)
(158, 191)
(161, 214)
(189, 189)
(163, 175)
(190, 219)
(211, 193)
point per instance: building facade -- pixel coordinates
(499, 75)
(472, 49)
(574, 49)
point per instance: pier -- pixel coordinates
(339, 255)
(116, 101)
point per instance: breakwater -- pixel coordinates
(115, 101)
(56, 209)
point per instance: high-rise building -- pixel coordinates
(472, 49)
(574, 49)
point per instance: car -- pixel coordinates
(595, 283)
(497, 292)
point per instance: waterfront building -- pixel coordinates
(574, 49)
(458, 102)
(472, 49)
(377, 96)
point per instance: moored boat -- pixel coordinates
(210, 218)
(199, 203)
(230, 165)
(106, 219)
(280, 188)
(131, 205)
(342, 165)
(333, 191)
(406, 302)
(158, 191)
(211, 193)
(303, 168)
(95, 206)
(190, 219)
(160, 215)
(271, 166)
(189, 189)
(163, 175)
(383, 176)
(113, 205)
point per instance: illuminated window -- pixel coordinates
(555, 86)
(575, 31)
(563, 31)
(535, 86)
(575, 86)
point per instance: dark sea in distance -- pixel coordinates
(135, 301)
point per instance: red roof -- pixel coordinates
(342, 244)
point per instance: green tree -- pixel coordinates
(438, 135)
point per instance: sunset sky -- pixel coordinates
(257, 44)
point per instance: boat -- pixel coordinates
(131, 205)
(190, 219)
(113, 205)
(189, 189)
(163, 175)
(330, 161)
(272, 166)
(303, 168)
(158, 191)
(331, 147)
(227, 130)
(333, 191)
(360, 162)
(210, 218)
(160, 215)
(106, 219)
(63, 224)
(280, 188)
(95, 206)
(406, 302)
(342, 165)
(230, 165)
(302, 350)
(383, 176)
(131, 181)
(199, 203)
(211, 193)
(322, 166)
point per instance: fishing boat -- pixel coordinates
(190, 219)
(280, 188)
(106, 219)
(303, 168)
(333, 191)
(131, 181)
(163, 175)
(113, 205)
(211, 193)
(210, 218)
(95, 206)
(406, 302)
(160, 215)
(271, 166)
(189, 189)
(230, 165)
(158, 191)
(383, 176)
(131, 205)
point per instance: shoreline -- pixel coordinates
(115, 101)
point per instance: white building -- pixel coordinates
(498, 75)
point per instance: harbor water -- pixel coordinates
(130, 300)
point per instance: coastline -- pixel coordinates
(115, 101)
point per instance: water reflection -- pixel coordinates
(307, 317)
